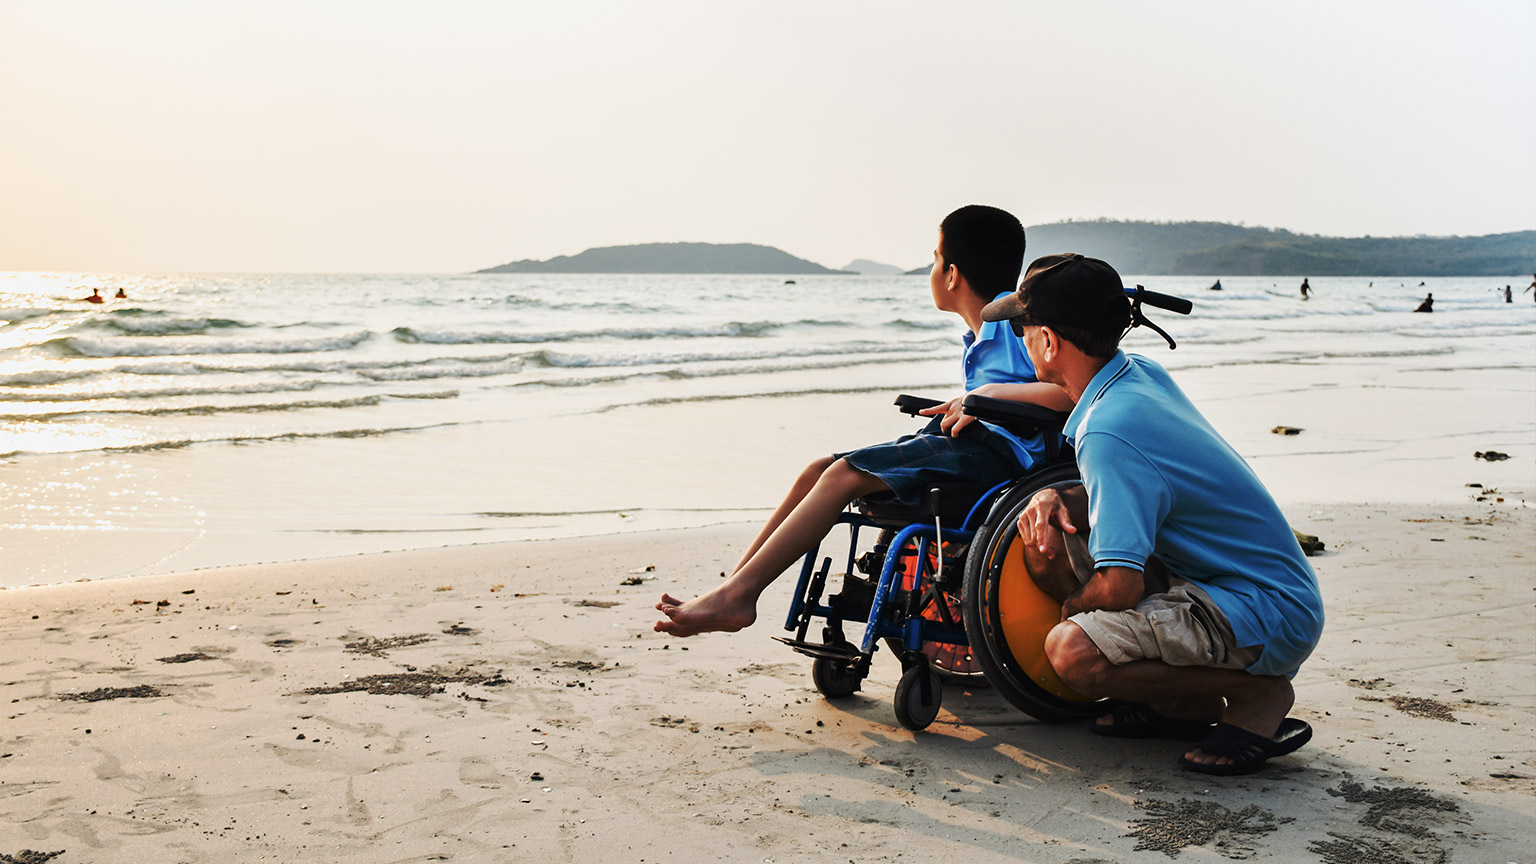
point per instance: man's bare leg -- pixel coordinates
(1256, 703)
(733, 604)
(802, 487)
(1053, 571)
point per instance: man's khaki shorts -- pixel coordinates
(1176, 622)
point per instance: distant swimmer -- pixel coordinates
(1306, 290)
(1530, 287)
(95, 297)
(1216, 287)
(1428, 304)
(1509, 296)
(120, 295)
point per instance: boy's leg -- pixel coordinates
(802, 487)
(733, 604)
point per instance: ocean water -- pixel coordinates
(208, 420)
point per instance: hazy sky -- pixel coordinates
(214, 135)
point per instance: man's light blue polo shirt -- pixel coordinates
(1161, 481)
(996, 356)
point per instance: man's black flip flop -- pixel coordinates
(1140, 720)
(1247, 750)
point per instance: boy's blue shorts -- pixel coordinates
(913, 464)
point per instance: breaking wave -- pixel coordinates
(173, 346)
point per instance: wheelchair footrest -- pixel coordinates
(845, 651)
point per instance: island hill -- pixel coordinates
(1134, 248)
(672, 258)
(1222, 249)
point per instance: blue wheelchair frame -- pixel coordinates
(840, 666)
(915, 630)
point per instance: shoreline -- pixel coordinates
(1371, 430)
(296, 719)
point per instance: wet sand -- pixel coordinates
(510, 702)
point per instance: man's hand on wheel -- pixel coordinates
(1044, 513)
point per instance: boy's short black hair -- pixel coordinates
(987, 245)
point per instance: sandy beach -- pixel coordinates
(509, 702)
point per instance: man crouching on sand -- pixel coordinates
(1211, 628)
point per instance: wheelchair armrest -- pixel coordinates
(1021, 418)
(913, 404)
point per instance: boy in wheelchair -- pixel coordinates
(978, 258)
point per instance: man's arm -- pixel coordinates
(1111, 589)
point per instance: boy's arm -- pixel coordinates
(1035, 392)
(1045, 395)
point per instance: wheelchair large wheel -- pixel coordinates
(1007, 616)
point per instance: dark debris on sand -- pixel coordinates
(1397, 809)
(1414, 706)
(1427, 708)
(376, 647)
(1149, 783)
(1173, 826)
(410, 683)
(579, 665)
(186, 658)
(1344, 849)
(27, 856)
(142, 691)
(1400, 811)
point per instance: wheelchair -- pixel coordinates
(944, 585)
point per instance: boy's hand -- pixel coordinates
(955, 419)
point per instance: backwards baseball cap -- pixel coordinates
(1067, 289)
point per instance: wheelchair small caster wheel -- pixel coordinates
(917, 697)
(832, 678)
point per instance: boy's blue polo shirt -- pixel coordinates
(996, 356)
(1161, 481)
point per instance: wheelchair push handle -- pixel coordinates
(1161, 301)
(1140, 295)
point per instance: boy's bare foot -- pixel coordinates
(1258, 711)
(716, 611)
